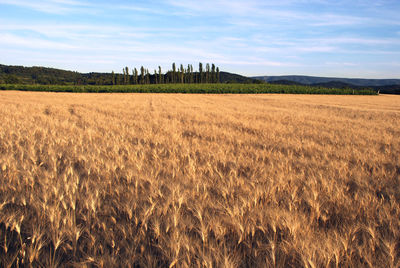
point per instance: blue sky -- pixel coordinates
(352, 38)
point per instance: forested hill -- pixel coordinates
(312, 80)
(210, 74)
(50, 76)
(387, 86)
(37, 75)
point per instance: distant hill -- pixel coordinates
(284, 82)
(236, 78)
(389, 86)
(10, 74)
(310, 80)
(49, 76)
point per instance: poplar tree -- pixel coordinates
(191, 74)
(218, 76)
(173, 72)
(188, 74)
(123, 72)
(167, 77)
(213, 74)
(142, 75)
(200, 72)
(113, 78)
(207, 73)
(127, 75)
(189, 78)
(156, 77)
(147, 76)
(135, 76)
(182, 74)
(160, 78)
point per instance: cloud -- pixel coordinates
(269, 35)
(237, 10)
(31, 42)
(346, 64)
(359, 41)
(137, 8)
(315, 48)
(69, 32)
(286, 13)
(258, 62)
(50, 6)
(323, 20)
(64, 30)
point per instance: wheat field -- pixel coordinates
(165, 180)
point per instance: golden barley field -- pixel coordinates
(164, 180)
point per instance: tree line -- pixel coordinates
(177, 75)
(205, 73)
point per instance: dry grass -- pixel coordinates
(199, 180)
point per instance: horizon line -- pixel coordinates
(247, 76)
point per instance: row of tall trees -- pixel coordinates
(177, 75)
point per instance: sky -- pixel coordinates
(341, 38)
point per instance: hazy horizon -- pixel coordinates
(360, 39)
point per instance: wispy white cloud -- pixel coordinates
(269, 35)
(236, 9)
(360, 41)
(50, 6)
(139, 9)
(324, 20)
(287, 14)
(82, 32)
(114, 47)
(258, 62)
(32, 42)
(326, 44)
(342, 64)
(314, 48)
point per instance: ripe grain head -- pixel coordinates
(210, 180)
